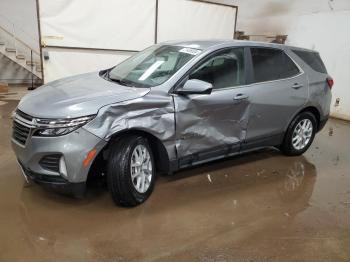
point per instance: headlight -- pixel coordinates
(60, 127)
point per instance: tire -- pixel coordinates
(119, 171)
(292, 135)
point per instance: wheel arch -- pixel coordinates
(315, 112)
(158, 149)
(311, 109)
(159, 152)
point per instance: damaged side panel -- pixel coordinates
(188, 126)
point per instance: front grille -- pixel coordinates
(24, 115)
(20, 132)
(51, 162)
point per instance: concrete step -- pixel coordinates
(30, 66)
(10, 49)
(2, 43)
(20, 56)
(28, 62)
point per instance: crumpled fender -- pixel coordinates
(152, 113)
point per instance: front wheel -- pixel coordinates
(300, 134)
(131, 172)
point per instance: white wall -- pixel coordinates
(322, 25)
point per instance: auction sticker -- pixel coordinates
(190, 51)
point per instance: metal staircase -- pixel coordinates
(18, 51)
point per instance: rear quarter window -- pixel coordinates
(312, 59)
(271, 64)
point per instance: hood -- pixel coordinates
(76, 96)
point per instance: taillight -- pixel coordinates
(330, 82)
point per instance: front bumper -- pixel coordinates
(57, 184)
(73, 147)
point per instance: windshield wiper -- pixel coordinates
(121, 81)
(107, 74)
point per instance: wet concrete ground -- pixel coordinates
(261, 206)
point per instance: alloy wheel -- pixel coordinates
(141, 169)
(302, 134)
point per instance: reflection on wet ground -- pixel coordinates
(261, 206)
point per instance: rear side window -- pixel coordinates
(272, 64)
(313, 59)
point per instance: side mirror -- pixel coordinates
(195, 86)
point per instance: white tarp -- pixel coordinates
(64, 63)
(121, 24)
(186, 19)
(107, 24)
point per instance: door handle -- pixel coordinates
(297, 86)
(240, 97)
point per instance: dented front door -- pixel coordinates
(210, 126)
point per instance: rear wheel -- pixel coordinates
(300, 134)
(130, 173)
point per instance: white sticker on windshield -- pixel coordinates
(190, 51)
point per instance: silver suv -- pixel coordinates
(173, 105)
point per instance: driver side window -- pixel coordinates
(223, 69)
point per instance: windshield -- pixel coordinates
(151, 67)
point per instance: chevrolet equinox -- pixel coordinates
(170, 106)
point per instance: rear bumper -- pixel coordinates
(322, 123)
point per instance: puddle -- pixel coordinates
(258, 205)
